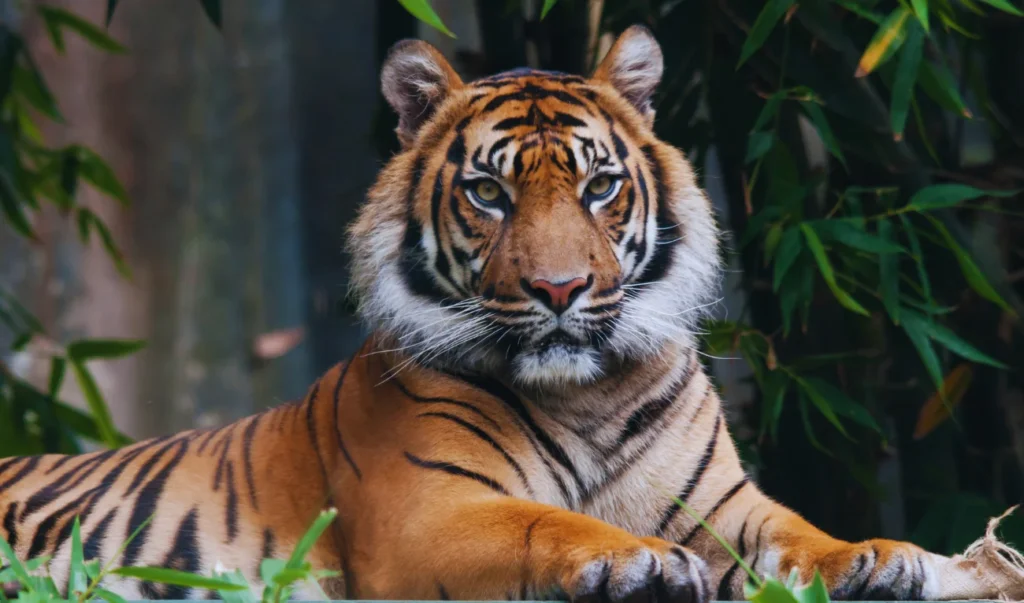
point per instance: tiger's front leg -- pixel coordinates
(503, 548)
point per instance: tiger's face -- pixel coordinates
(533, 223)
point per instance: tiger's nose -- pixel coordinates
(557, 296)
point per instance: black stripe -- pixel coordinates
(691, 484)
(231, 507)
(337, 422)
(42, 533)
(442, 593)
(30, 463)
(218, 477)
(725, 586)
(209, 435)
(146, 503)
(661, 258)
(143, 473)
(311, 429)
(93, 545)
(483, 435)
(11, 461)
(718, 505)
(60, 463)
(184, 555)
(64, 483)
(757, 545)
(268, 544)
(247, 438)
(647, 415)
(466, 405)
(9, 527)
(511, 400)
(451, 469)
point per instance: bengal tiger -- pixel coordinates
(531, 404)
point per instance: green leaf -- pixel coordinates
(323, 521)
(921, 11)
(57, 19)
(422, 10)
(906, 76)
(163, 575)
(843, 404)
(16, 566)
(938, 83)
(12, 206)
(854, 6)
(111, 7)
(789, 250)
(108, 596)
(764, 24)
(97, 172)
(815, 592)
(970, 269)
(758, 144)
(83, 424)
(938, 196)
(29, 85)
(851, 233)
(548, 5)
(1005, 6)
(774, 394)
(270, 568)
(98, 407)
(952, 341)
(808, 428)
(213, 12)
(768, 112)
(917, 332)
(88, 221)
(825, 267)
(915, 249)
(889, 274)
(886, 41)
(822, 404)
(821, 124)
(89, 349)
(797, 287)
(92, 569)
(78, 581)
(772, 240)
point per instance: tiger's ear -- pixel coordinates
(633, 66)
(415, 79)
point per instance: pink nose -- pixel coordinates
(557, 296)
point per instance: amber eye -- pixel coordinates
(600, 187)
(487, 191)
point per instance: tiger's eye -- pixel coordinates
(487, 190)
(599, 186)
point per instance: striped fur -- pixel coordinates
(487, 442)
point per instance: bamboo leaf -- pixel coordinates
(789, 250)
(98, 407)
(915, 249)
(889, 274)
(57, 370)
(323, 521)
(938, 196)
(111, 7)
(808, 428)
(212, 9)
(13, 208)
(764, 24)
(887, 40)
(97, 172)
(843, 404)
(758, 144)
(163, 575)
(951, 340)
(821, 124)
(936, 409)
(969, 268)
(853, 235)
(938, 83)
(422, 10)
(57, 19)
(89, 349)
(1005, 6)
(548, 5)
(906, 75)
(921, 11)
(828, 273)
(916, 331)
(78, 581)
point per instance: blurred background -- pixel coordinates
(176, 178)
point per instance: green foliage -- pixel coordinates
(86, 576)
(34, 420)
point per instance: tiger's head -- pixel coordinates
(532, 223)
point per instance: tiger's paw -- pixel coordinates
(876, 570)
(649, 570)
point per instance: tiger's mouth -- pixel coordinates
(556, 356)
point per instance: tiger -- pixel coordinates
(530, 417)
